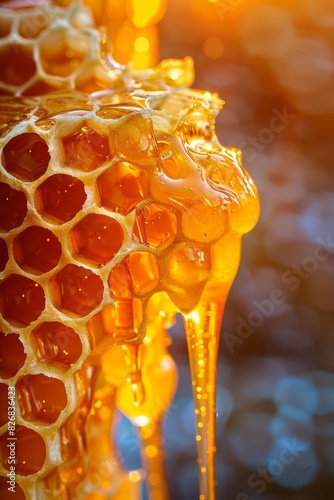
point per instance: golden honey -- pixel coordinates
(118, 209)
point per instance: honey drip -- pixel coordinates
(119, 208)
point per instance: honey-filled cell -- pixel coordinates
(26, 156)
(121, 187)
(41, 399)
(16, 63)
(86, 149)
(12, 355)
(155, 225)
(6, 494)
(60, 197)
(30, 451)
(76, 291)
(56, 343)
(61, 54)
(3, 254)
(21, 300)
(97, 238)
(37, 250)
(144, 272)
(13, 207)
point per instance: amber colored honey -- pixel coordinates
(118, 209)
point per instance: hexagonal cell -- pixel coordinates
(30, 451)
(134, 139)
(5, 25)
(138, 273)
(41, 399)
(37, 250)
(6, 494)
(12, 355)
(3, 254)
(32, 26)
(97, 238)
(61, 53)
(21, 300)
(56, 344)
(60, 197)
(114, 324)
(156, 225)
(13, 207)
(144, 271)
(76, 291)
(26, 156)
(121, 187)
(16, 63)
(86, 149)
(3, 406)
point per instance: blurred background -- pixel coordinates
(272, 61)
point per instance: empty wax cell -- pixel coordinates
(37, 250)
(3, 254)
(6, 494)
(13, 207)
(12, 354)
(21, 300)
(30, 451)
(97, 238)
(76, 291)
(86, 149)
(17, 64)
(60, 197)
(41, 399)
(26, 156)
(56, 343)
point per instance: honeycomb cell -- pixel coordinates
(41, 399)
(16, 63)
(13, 207)
(97, 238)
(6, 494)
(12, 355)
(115, 323)
(37, 250)
(60, 197)
(121, 187)
(4, 404)
(21, 300)
(144, 272)
(56, 344)
(86, 149)
(76, 291)
(134, 140)
(62, 54)
(3, 254)
(137, 273)
(156, 225)
(30, 451)
(26, 156)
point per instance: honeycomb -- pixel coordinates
(118, 209)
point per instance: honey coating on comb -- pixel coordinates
(118, 209)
